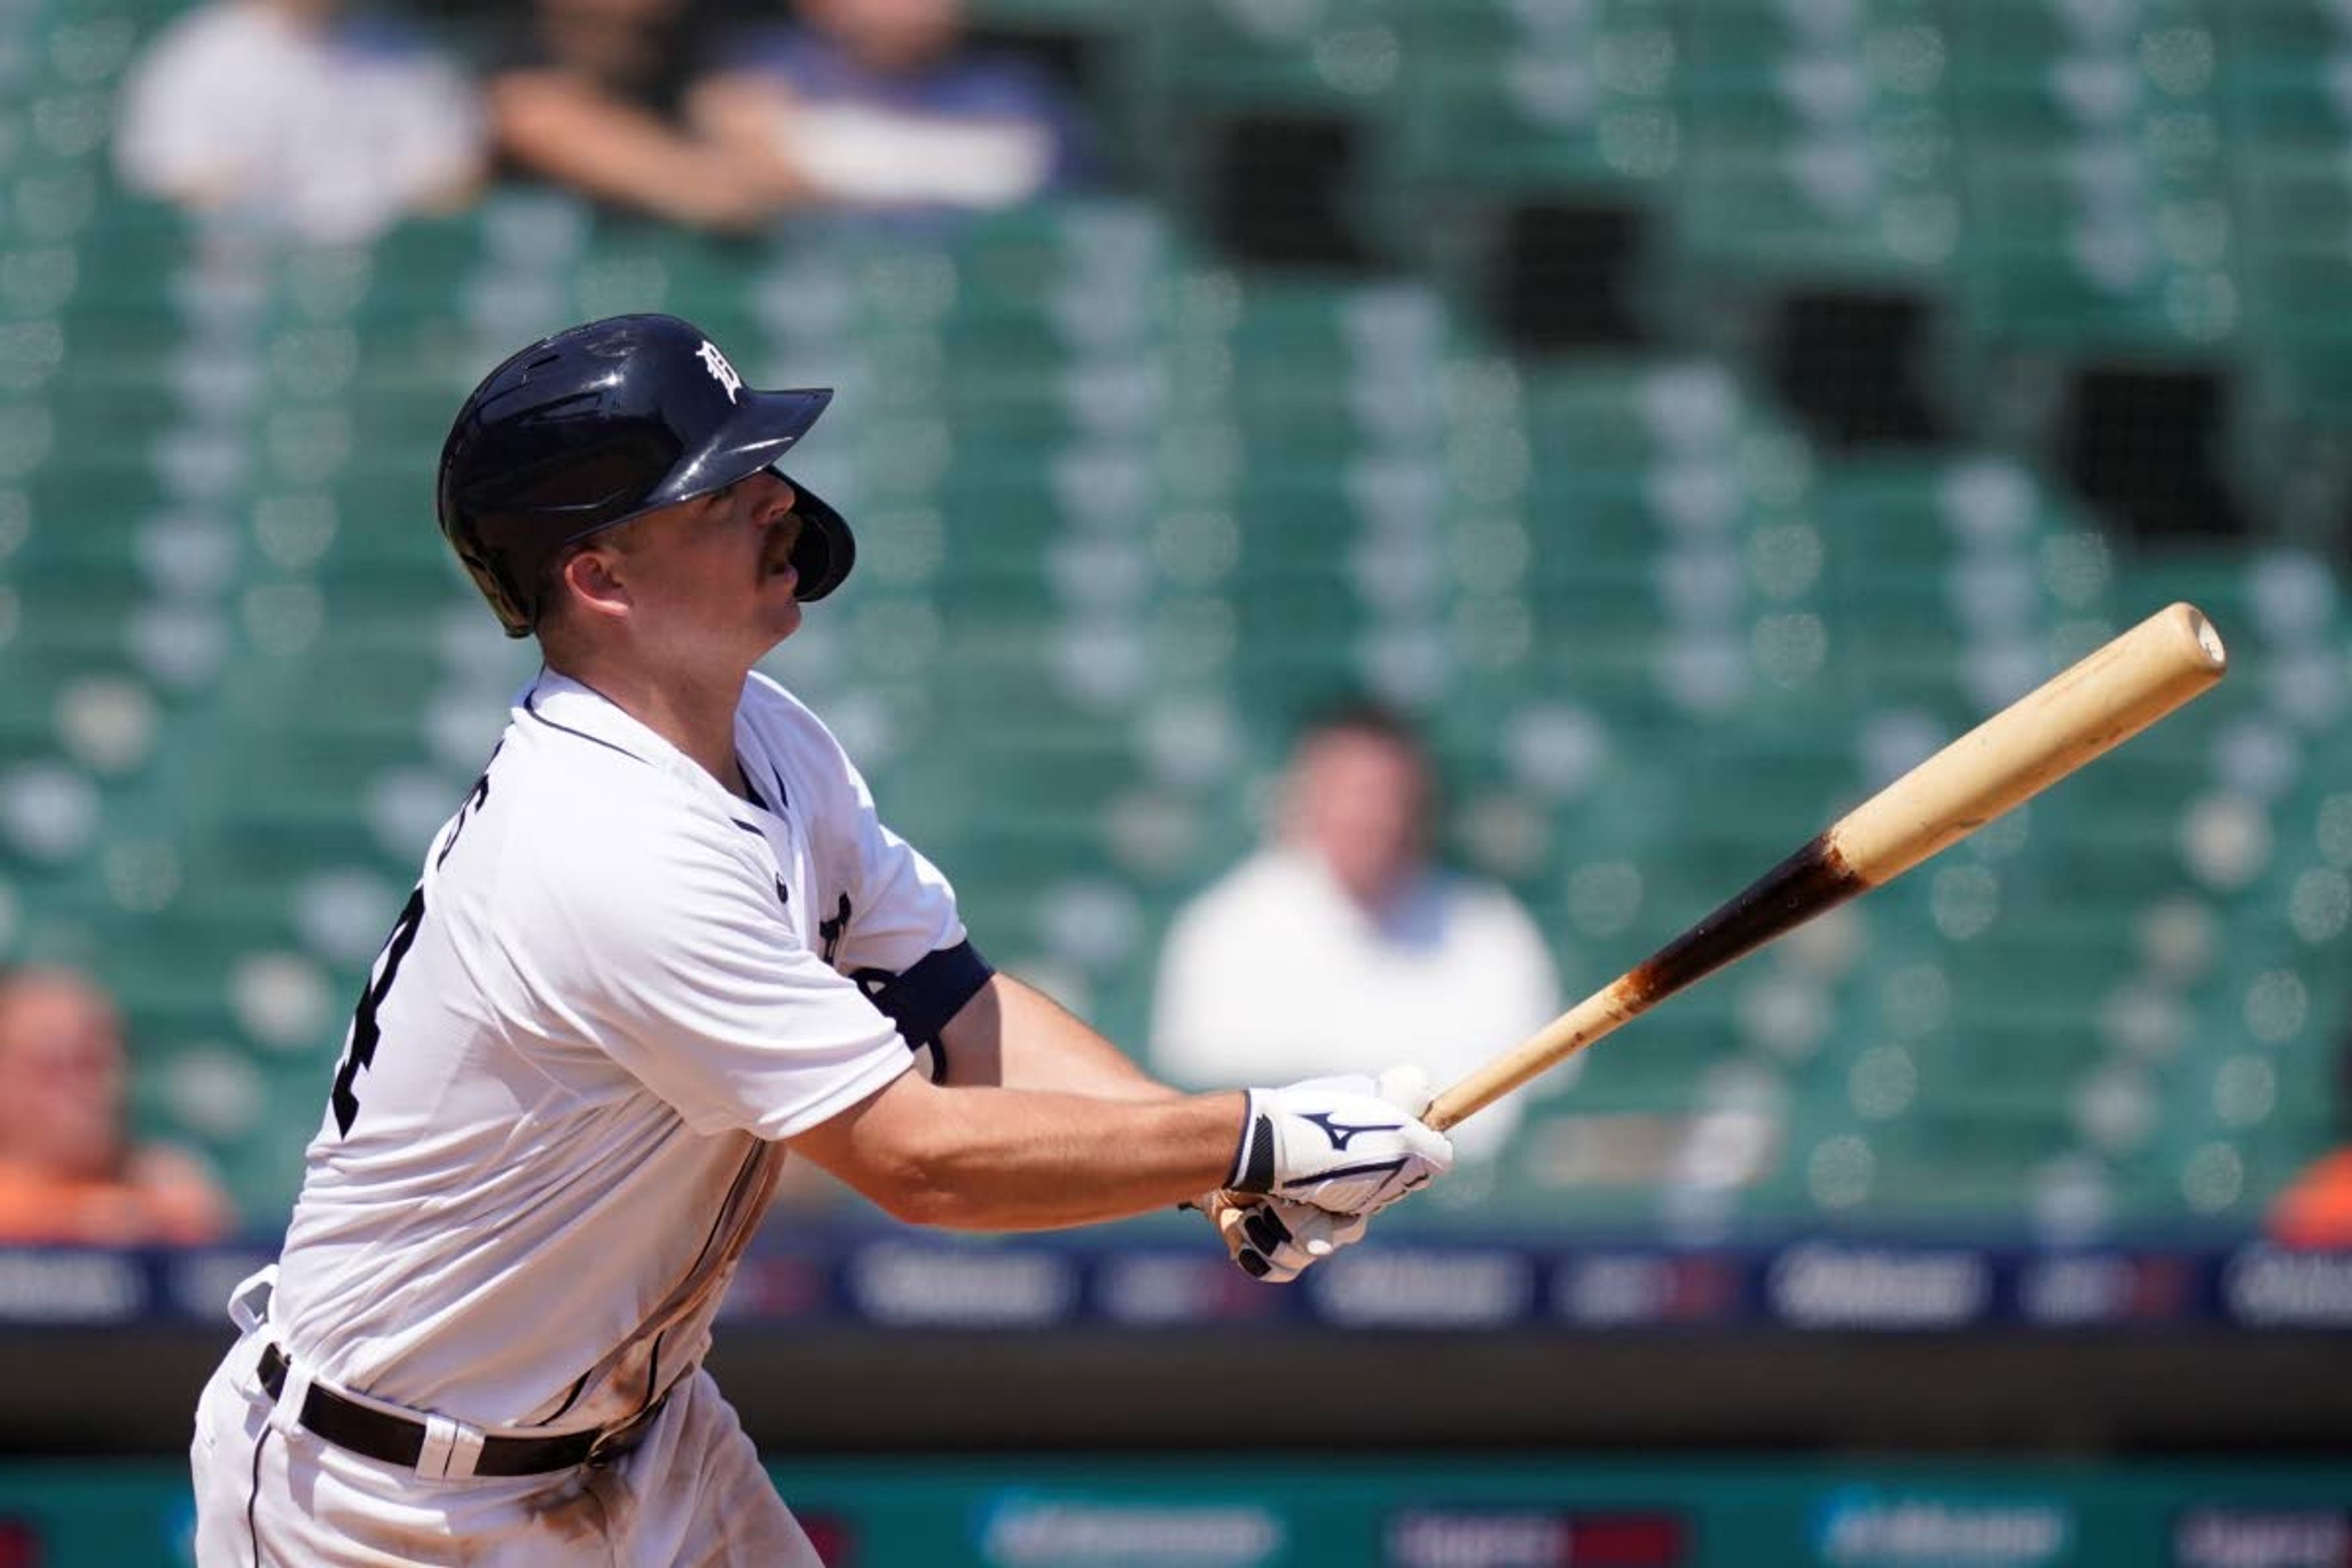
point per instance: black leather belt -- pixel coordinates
(397, 1440)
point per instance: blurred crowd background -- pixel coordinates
(1671, 419)
(1346, 490)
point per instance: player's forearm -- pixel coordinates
(1015, 1036)
(1034, 1160)
(745, 112)
(1014, 1159)
(560, 129)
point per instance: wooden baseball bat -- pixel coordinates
(2034, 742)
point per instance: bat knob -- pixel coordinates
(2209, 641)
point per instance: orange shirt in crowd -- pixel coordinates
(2317, 1210)
(69, 1170)
(163, 1197)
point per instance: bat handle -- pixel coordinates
(1561, 1038)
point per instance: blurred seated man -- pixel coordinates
(609, 97)
(67, 1171)
(291, 112)
(1339, 940)
(880, 104)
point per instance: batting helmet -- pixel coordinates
(605, 422)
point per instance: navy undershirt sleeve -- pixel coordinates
(923, 999)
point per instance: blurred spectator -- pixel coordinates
(299, 115)
(2315, 1209)
(608, 97)
(882, 104)
(1339, 946)
(69, 1172)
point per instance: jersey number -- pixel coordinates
(359, 1046)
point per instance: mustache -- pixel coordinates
(785, 532)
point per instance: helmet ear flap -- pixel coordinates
(825, 550)
(505, 599)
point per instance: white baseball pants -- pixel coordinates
(272, 1495)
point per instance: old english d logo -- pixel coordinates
(720, 371)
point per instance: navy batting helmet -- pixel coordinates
(600, 424)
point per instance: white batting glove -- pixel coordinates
(1343, 1144)
(1274, 1240)
(1408, 1088)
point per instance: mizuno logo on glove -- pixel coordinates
(1335, 1144)
(1340, 1134)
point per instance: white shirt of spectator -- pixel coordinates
(625, 984)
(863, 155)
(1275, 973)
(323, 130)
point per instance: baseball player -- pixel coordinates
(663, 940)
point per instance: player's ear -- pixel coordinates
(591, 581)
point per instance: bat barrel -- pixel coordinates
(2075, 716)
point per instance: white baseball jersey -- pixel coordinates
(335, 131)
(1274, 972)
(552, 1129)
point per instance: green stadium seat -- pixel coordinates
(1127, 512)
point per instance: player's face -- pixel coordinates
(62, 1057)
(1357, 802)
(715, 575)
(892, 37)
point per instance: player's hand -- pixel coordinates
(1407, 1088)
(1343, 1144)
(1275, 1240)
